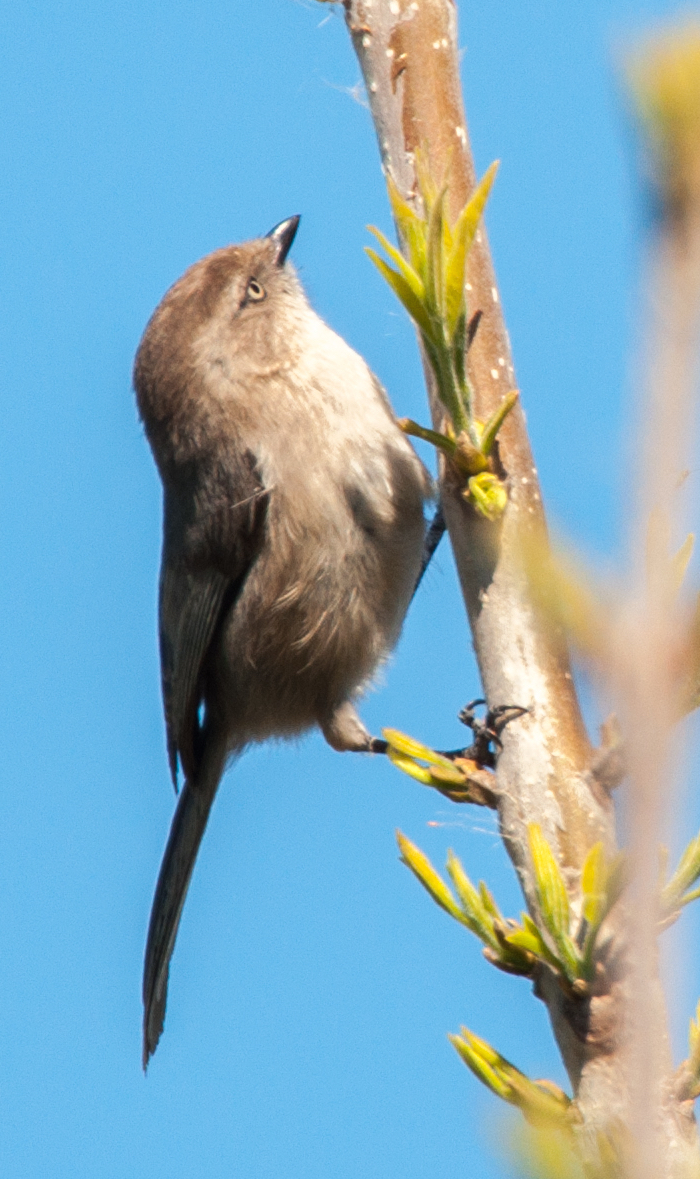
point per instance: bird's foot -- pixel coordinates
(487, 734)
(487, 731)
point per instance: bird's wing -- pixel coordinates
(214, 524)
(190, 608)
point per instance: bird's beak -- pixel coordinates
(283, 235)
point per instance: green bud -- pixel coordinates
(488, 495)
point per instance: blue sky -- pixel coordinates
(313, 982)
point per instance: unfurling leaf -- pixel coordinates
(409, 766)
(553, 900)
(542, 1102)
(529, 938)
(403, 290)
(410, 225)
(488, 902)
(435, 263)
(463, 234)
(480, 917)
(413, 279)
(551, 890)
(602, 882)
(421, 867)
(593, 883)
(412, 748)
(468, 1048)
(493, 425)
(441, 441)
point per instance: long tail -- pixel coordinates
(188, 826)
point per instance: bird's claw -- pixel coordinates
(487, 730)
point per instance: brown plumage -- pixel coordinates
(292, 535)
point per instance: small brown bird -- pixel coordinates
(292, 535)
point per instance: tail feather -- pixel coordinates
(186, 832)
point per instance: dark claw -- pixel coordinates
(487, 731)
(466, 715)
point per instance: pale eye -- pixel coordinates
(255, 293)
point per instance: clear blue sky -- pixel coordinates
(313, 982)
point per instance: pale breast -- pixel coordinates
(345, 529)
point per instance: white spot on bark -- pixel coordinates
(524, 479)
(394, 8)
(366, 41)
(461, 134)
(390, 52)
(436, 44)
(467, 286)
(495, 374)
(494, 294)
(445, 42)
(479, 235)
(501, 361)
(373, 88)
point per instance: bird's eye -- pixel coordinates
(255, 293)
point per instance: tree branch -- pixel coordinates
(408, 54)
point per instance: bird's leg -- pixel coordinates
(345, 732)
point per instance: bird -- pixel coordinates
(293, 530)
